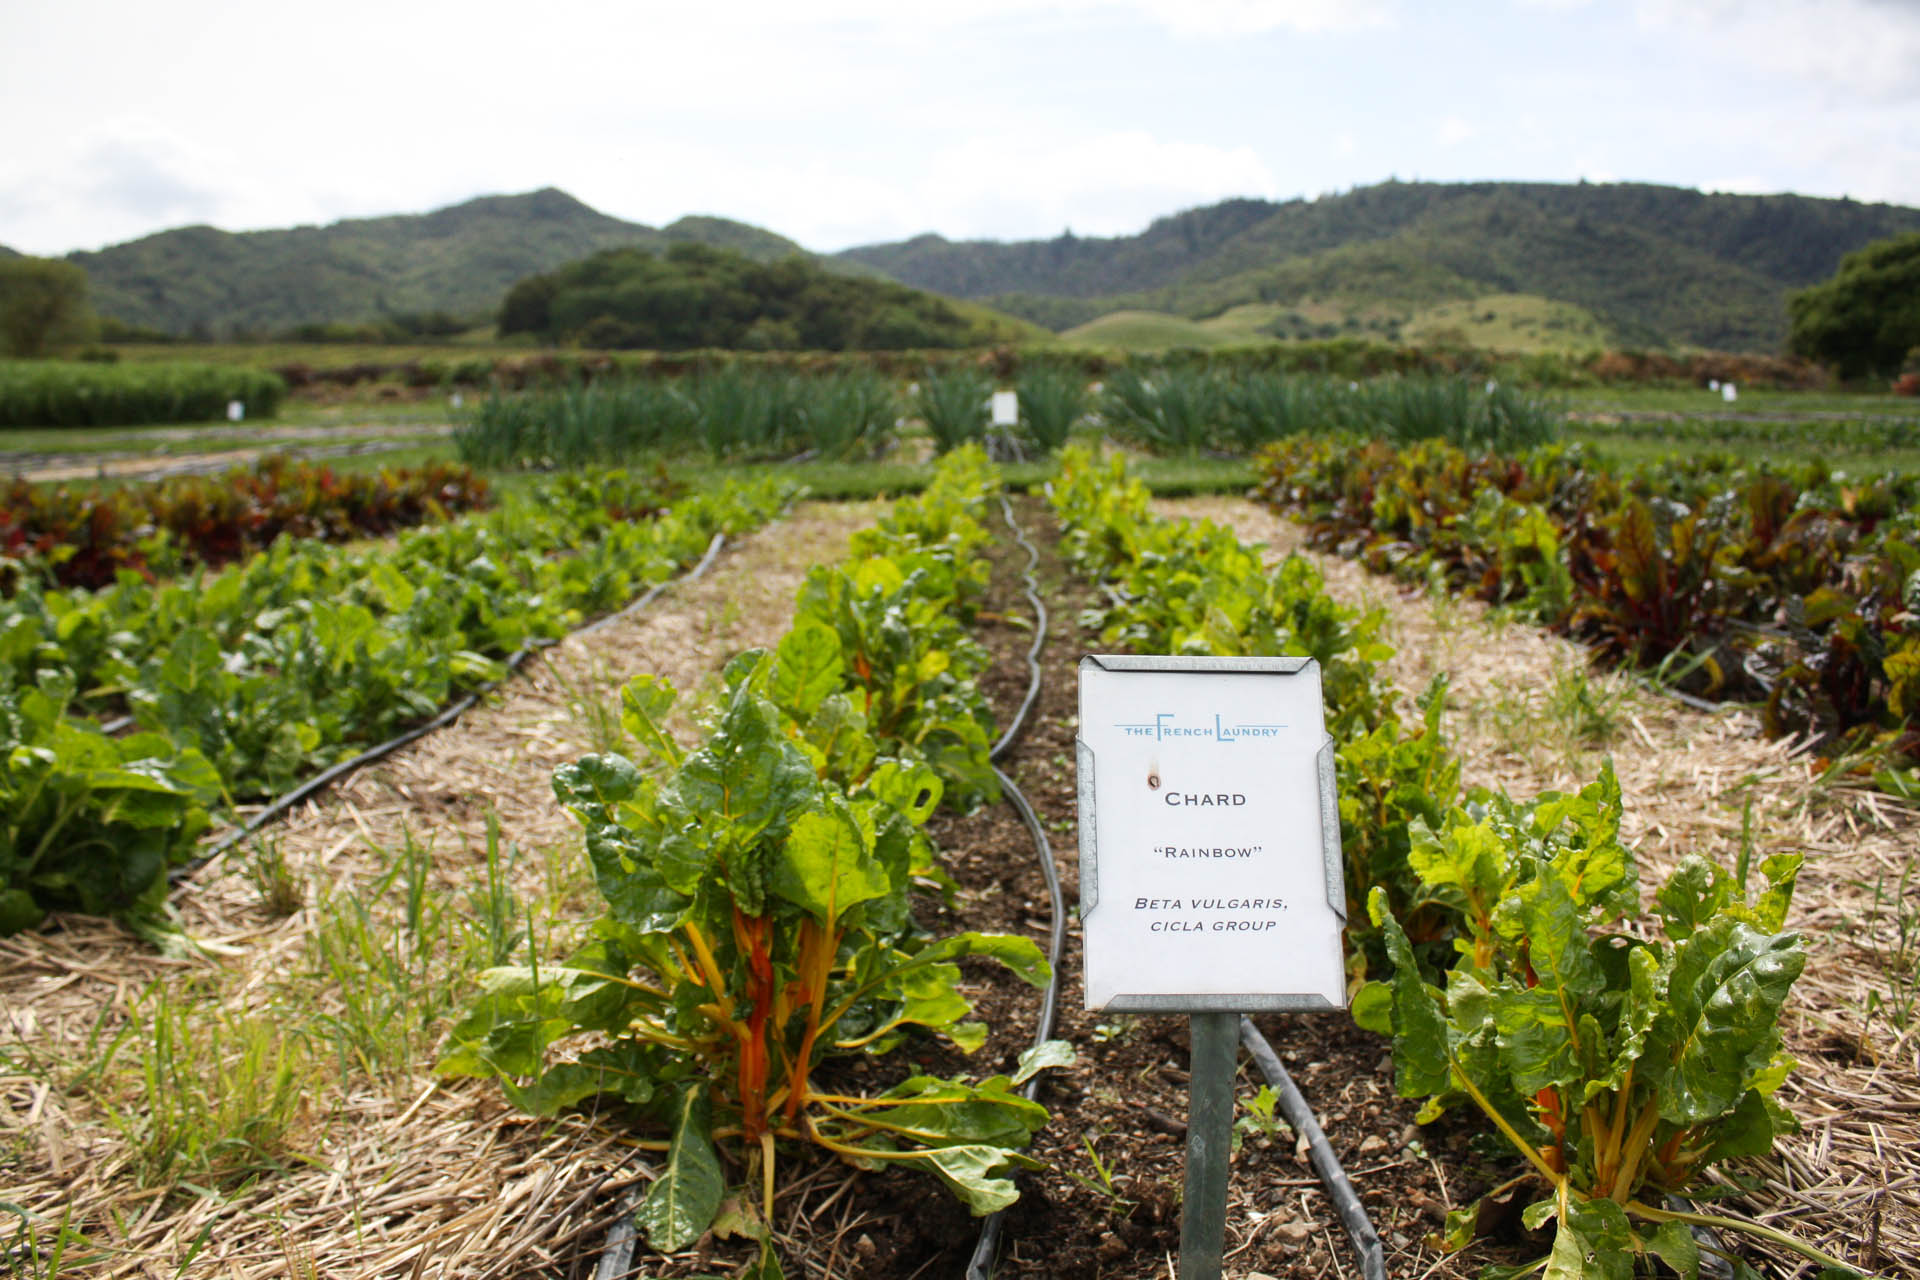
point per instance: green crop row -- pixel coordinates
(1618, 1062)
(1176, 410)
(242, 680)
(62, 393)
(732, 414)
(739, 413)
(758, 918)
(1799, 589)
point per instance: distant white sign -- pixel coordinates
(1729, 392)
(1006, 408)
(235, 411)
(1210, 873)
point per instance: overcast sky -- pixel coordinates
(843, 122)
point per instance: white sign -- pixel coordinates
(1210, 872)
(235, 411)
(1729, 392)
(1006, 408)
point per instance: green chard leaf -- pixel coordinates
(683, 1200)
(1420, 1062)
(1725, 993)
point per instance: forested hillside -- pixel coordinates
(1657, 265)
(458, 260)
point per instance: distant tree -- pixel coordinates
(526, 308)
(1867, 317)
(43, 304)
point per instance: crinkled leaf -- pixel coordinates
(1674, 1244)
(955, 1113)
(1725, 992)
(595, 783)
(806, 667)
(1535, 1040)
(683, 1200)
(628, 872)
(981, 1176)
(1420, 1065)
(645, 703)
(1637, 1012)
(1037, 1058)
(909, 786)
(827, 865)
(1022, 955)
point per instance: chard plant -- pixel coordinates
(1618, 1066)
(757, 922)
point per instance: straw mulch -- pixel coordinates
(389, 1173)
(1849, 1182)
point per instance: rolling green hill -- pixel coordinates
(699, 296)
(1645, 265)
(460, 260)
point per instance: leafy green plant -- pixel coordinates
(88, 822)
(1173, 410)
(1618, 1066)
(757, 923)
(1051, 402)
(1259, 1120)
(954, 405)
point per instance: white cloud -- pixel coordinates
(998, 187)
(129, 176)
(1453, 131)
(1248, 17)
(1855, 47)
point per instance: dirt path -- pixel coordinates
(1516, 716)
(40, 467)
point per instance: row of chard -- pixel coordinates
(237, 682)
(88, 536)
(757, 886)
(1797, 589)
(1500, 943)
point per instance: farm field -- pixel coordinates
(263, 1100)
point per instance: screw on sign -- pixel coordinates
(1210, 874)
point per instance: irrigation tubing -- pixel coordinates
(1353, 1214)
(285, 804)
(980, 1266)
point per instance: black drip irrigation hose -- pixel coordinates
(179, 876)
(980, 1266)
(1353, 1214)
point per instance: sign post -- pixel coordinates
(1210, 872)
